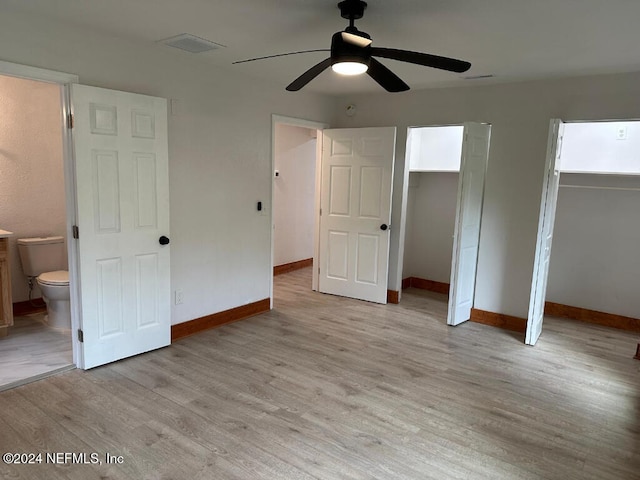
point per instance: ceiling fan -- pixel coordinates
(352, 54)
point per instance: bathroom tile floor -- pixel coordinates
(32, 350)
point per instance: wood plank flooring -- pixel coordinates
(324, 387)
(33, 350)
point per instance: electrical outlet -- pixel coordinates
(179, 297)
(621, 133)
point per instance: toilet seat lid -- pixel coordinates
(59, 277)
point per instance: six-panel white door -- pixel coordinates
(466, 238)
(122, 188)
(356, 184)
(546, 221)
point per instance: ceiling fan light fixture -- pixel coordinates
(352, 54)
(350, 68)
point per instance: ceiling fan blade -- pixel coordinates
(443, 63)
(385, 77)
(281, 55)
(309, 75)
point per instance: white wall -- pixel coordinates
(431, 217)
(32, 197)
(294, 193)
(602, 147)
(594, 257)
(219, 150)
(519, 114)
(436, 148)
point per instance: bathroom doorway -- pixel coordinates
(100, 333)
(33, 205)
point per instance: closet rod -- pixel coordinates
(595, 187)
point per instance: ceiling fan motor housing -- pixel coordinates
(342, 51)
(352, 9)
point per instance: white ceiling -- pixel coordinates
(511, 39)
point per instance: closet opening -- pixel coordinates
(593, 269)
(447, 166)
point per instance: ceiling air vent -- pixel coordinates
(190, 43)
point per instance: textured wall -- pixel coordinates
(32, 196)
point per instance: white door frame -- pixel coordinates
(297, 122)
(406, 189)
(64, 80)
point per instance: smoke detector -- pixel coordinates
(190, 43)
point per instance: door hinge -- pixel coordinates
(80, 336)
(75, 231)
(320, 212)
(70, 120)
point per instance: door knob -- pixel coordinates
(383, 227)
(163, 240)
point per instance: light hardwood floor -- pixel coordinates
(33, 350)
(324, 387)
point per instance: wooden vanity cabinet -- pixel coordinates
(6, 306)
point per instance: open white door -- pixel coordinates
(357, 175)
(545, 232)
(122, 186)
(466, 237)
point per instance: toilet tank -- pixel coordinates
(42, 254)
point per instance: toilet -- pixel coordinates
(44, 259)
